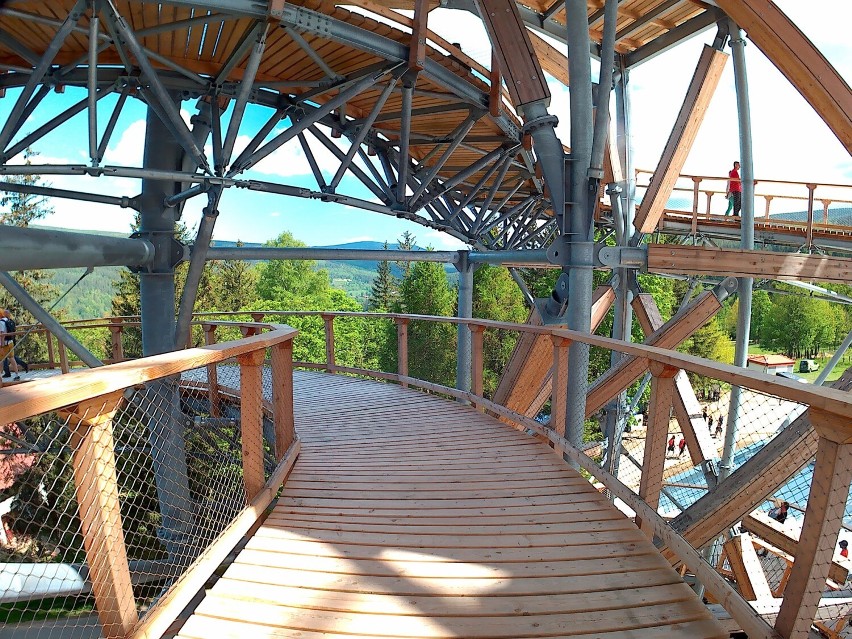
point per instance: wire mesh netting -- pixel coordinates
(165, 456)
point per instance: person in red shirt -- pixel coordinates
(735, 190)
(844, 548)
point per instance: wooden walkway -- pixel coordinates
(408, 515)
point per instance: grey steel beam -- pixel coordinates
(245, 88)
(92, 101)
(357, 171)
(82, 196)
(601, 117)
(665, 42)
(312, 162)
(166, 109)
(175, 25)
(28, 140)
(110, 127)
(248, 40)
(404, 140)
(461, 130)
(312, 54)
(579, 270)
(257, 140)
(358, 138)
(19, 48)
(161, 402)
(746, 284)
(465, 311)
(305, 122)
(39, 72)
(494, 157)
(34, 248)
(41, 315)
(248, 8)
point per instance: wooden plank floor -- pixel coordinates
(411, 516)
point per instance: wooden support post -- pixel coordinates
(51, 356)
(402, 347)
(212, 373)
(798, 59)
(477, 332)
(417, 49)
(700, 92)
(746, 568)
(825, 205)
(495, 95)
(251, 420)
(823, 519)
(559, 391)
(282, 397)
(116, 330)
(257, 317)
(96, 486)
(63, 358)
(696, 183)
(328, 320)
(654, 461)
(768, 201)
(809, 239)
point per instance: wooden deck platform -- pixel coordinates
(407, 515)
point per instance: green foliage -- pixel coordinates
(288, 279)
(431, 345)
(234, 284)
(385, 288)
(497, 297)
(803, 327)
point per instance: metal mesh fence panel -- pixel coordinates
(171, 455)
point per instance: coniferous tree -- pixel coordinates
(405, 243)
(235, 284)
(385, 287)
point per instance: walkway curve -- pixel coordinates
(408, 515)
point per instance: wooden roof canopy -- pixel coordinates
(191, 42)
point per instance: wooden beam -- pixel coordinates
(511, 41)
(477, 334)
(755, 481)
(654, 460)
(670, 335)
(553, 61)
(685, 130)
(799, 60)
(785, 539)
(526, 381)
(700, 260)
(417, 49)
(686, 407)
(96, 486)
(747, 569)
(328, 321)
(823, 519)
(402, 348)
(559, 399)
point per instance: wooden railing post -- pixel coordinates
(656, 434)
(709, 195)
(823, 519)
(257, 317)
(559, 393)
(768, 202)
(51, 356)
(402, 347)
(696, 183)
(825, 205)
(212, 373)
(477, 333)
(63, 357)
(809, 240)
(96, 485)
(116, 329)
(282, 397)
(251, 420)
(328, 320)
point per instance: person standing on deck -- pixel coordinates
(671, 445)
(681, 446)
(735, 190)
(719, 426)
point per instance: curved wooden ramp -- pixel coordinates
(411, 516)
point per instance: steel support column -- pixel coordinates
(160, 401)
(747, 242)
(580, 246)
(465, 269)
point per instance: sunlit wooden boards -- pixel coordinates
(411, 516)
(699, 260)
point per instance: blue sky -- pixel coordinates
(790, 141)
